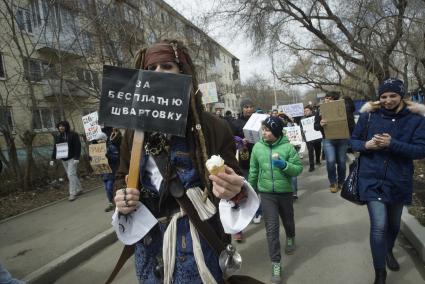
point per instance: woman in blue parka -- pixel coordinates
(390, 134)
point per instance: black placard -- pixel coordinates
(145, 100)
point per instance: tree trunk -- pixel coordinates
(13, 162)
(28, 139)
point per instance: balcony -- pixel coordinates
(66, 46)
(51, 88)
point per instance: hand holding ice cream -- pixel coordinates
(226, 183)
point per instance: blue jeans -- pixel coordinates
(384, 228)
(6, 278)
(335, 154)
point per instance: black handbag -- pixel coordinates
(350, 188)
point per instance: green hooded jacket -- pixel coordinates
(266, 178)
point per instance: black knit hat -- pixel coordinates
(275, 124)
(391, 85)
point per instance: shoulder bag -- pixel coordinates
(350, 189)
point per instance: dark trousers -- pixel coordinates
(314, 150)
(275, 205)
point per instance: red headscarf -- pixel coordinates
(164, 52)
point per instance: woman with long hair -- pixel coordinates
(389, 135)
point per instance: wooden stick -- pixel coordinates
(136, 154)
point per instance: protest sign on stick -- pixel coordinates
(144, 101)
(293, 110)
(91, 126)
(209, 92)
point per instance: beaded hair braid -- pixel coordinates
(195, 124)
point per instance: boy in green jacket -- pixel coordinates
(273, 162)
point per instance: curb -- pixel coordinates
(59, 266)
(414, 232)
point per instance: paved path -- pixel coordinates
(332, 246)
(30, 241)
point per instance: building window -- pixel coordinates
(87, 42)
(23, 19)
(130, 14)
(6, 118)
(91, 78)
(45, 119)
(113, 50)
(34, 69)
(2, 67)
(83, 5)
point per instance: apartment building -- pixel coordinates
(52, 53)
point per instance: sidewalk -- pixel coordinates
(56, 237)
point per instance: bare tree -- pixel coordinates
(359, 39)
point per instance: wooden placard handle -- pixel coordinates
(136, 154)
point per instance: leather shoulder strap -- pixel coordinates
(126, 253)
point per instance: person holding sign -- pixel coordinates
(389, 135)
(335, 149)
(245, 148)
(113, 142)
(172, 169)
(314, 146)
(67, 147)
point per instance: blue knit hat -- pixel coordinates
(391, 85)
(275, 124)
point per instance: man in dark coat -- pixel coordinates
(67, 147)
(245, 149)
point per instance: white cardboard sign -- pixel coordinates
(294, 134)
(293, 110)
(252, 128)
(209, 92)
(62, 150)
(309, 132)
(91, 126)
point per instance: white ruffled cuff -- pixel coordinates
(235, 220)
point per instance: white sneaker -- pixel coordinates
(257, 219)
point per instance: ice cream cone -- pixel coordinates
(215, 165)
(215, 170)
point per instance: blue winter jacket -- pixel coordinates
(387, 175)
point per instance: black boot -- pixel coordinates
(392, 262)
(380, 276)
(311, 168)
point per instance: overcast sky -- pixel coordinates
(238, 45)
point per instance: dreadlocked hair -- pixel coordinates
(195, 124)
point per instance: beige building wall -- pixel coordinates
(110, 40)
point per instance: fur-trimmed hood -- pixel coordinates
(412, 106)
